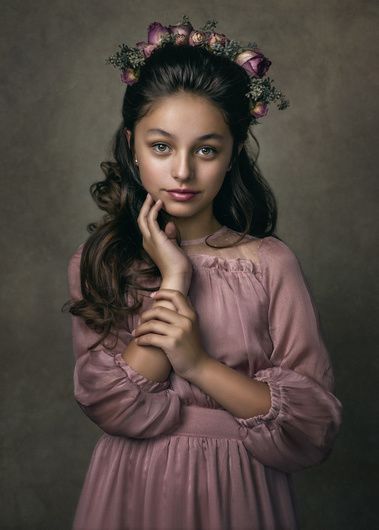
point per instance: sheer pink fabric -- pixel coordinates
(170, 456)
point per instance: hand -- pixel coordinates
(175, 332)
(161, 245)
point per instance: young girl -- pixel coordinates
(212, 393)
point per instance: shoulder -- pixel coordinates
(272, 249)
(73, 272)
(277, 259)
(73, 264)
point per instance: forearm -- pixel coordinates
(240, 395)
(150, 361)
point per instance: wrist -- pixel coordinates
(178, 282)
(200, 372)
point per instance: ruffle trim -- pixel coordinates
(220, 263)
(148, 385)
(299, 403)
(276, 401)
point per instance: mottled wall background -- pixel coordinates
(60, 104)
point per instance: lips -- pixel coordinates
(185, 192)
(182, 196)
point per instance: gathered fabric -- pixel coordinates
(170, 456)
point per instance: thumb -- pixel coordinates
(170, 230)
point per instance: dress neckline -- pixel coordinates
(202, 239)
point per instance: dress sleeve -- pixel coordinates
(300, 428)
(111, 393)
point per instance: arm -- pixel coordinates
(151, 361)
(297, 427)
(120, 400)
(239, 394)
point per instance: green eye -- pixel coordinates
(211, 149)
(159, 150)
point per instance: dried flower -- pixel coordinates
(261, 89)
(254, 62)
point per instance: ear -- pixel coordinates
(128, 134)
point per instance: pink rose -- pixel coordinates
(129, 76)
(254, 62)
(217, 38)
(259, 110)
(146, 48)
(196, 37)
(181, 32)
(155, 32)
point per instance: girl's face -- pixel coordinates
(172, 154)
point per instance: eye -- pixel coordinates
(159, 151)
(213, 150)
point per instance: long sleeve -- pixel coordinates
(300, 428)
(111, 393)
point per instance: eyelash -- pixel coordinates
(204, 147)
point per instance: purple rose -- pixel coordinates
(196, 37)
(129, 76)
(155, 33)
(259, 110)
(254, 62)
(146, 48)
(217, 38)
(181, 32)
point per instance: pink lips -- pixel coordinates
(181, 196)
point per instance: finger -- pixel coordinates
(161, 313)
(153, 326)
(142, 216)
(152, 222)
(178, 299)
(153, 339)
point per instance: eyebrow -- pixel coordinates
(208, 136)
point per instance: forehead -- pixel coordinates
(186, 115)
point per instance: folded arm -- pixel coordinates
(113, 394)
(294, 415)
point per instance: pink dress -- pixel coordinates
(170, 457)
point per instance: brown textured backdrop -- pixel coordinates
(60, 106)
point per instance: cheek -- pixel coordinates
(151, 174)
(214, 174)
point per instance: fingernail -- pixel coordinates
(153, 294)
(133, 332)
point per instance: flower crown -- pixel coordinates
(261, 89)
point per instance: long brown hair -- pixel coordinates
(245, 202)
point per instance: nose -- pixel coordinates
(182, 167)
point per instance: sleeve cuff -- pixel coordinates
(148, 385)
(276, 401)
